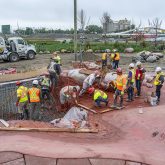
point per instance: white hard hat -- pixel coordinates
(114, 50)
(158, 69)
(138, 63)
(35, 82)
(131, 65)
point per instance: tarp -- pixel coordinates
(75, 117)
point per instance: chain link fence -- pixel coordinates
(8, 98)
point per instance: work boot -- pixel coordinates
(128, 100)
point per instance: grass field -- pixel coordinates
(51, 46)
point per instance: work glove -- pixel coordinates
(122, 93)
(17, 103)
(67, 96)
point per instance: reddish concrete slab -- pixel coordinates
(132, 163)
(15, 162)
(34, 160)
(107, 162)
(73, 162)
(125, 135)
(9, 156)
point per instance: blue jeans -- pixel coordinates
(138, 87)
(116, 64)
(100, 99)
(130, 92)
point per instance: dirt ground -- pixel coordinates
(32, 68)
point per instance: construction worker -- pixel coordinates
(56, 58)
(116, 59)
(131, 83)
(22, 101)
(99, 96)
(104, 59)
(54, 71)
(159, 80)
(68, 93)
(112, 55)
(45, 86)
(34, 94)
(139, 77)
(88, 82)
(120, 87)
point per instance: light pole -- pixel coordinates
(75, 29)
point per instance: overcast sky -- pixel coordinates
(59, 13)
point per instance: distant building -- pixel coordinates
(6, 29)
(116, 26)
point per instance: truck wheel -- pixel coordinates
(14, 57)
(30, 55)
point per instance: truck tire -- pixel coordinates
(30, 55)
(14, 57)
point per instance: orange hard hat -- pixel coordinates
(91, 90)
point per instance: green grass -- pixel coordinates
(50, 45)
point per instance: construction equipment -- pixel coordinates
(15, 48)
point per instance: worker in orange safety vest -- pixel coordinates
(34, 94)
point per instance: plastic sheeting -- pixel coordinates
(74, 73)
(110, 77)
(75, 117)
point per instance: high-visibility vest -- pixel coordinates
(121, 82)
(157, 82)
(99, 93)
(34, 94)
(57, 59)
(22, 93)
(112, 56)
(45, 82)
(117, 56)
(133, 75)
(104, 56)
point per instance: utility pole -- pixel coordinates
(75, 29)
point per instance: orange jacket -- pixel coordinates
(121, 82)
(117, 56)
(34, 95)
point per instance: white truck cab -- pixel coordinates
(16, 48)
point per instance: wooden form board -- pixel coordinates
(4, 123)
(71, 130)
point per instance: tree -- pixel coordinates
(105, 20)
(156, 24)
(94, 29)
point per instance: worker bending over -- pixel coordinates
(34, 99)
(120, 87)
(88, 82)
(68, 93)
(99, 96)
(139, 77)
(131, 83)
(22, 101)
(159, 80)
